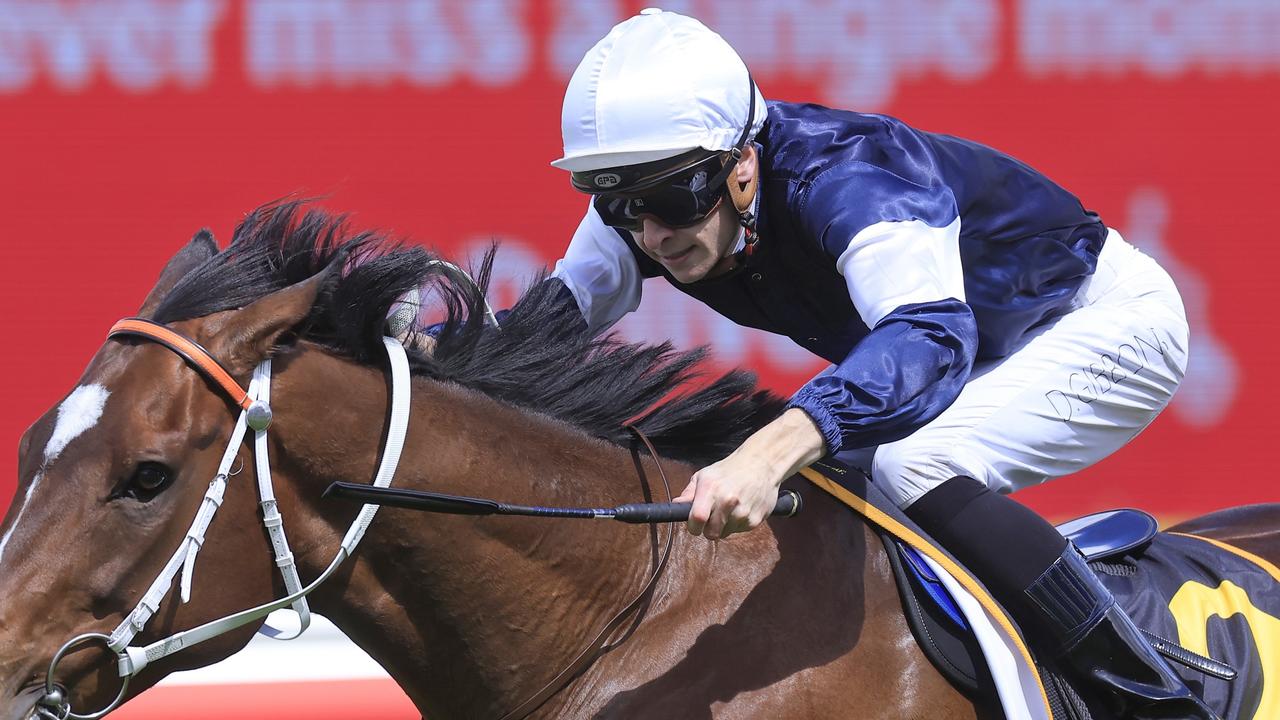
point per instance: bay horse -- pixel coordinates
(471, 616)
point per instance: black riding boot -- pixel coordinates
(1096, 639)
(1050, 590)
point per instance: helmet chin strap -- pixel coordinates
(744, 195)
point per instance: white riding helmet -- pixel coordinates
(658, 85)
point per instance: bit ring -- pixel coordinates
(56, 698)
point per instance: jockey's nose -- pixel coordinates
(653, 233)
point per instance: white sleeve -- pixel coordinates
(600, 272)
(891, 264)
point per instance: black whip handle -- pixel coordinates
(788, 505)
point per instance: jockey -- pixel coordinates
(986, 332)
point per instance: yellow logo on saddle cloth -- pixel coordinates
(1195, 605)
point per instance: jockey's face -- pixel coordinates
(703, 250)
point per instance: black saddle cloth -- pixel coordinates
(1208, 597)
(1213, 600)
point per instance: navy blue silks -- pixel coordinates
(900, 376)
(1025, 246)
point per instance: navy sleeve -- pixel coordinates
(903, 374)
(895, 240)
(850, 197)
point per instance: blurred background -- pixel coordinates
(126, 125)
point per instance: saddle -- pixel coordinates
(1218, 601)
(937, 621)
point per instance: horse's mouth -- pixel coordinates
(24, 704)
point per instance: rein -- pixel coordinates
(597, 646)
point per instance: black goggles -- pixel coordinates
(680, 199)
(679, 191)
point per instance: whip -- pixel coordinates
(788, 505)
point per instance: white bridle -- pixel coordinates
(255, 415)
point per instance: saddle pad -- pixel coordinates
(1203, 594)
(1213, 599)
(1098, 537)
(1013, 669)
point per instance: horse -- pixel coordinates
(474, 617)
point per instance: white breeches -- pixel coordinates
(1075, 390)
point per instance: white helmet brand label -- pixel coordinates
(606, 180)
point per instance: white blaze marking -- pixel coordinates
(79, 412)
(27, 498)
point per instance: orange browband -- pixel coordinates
(189, 350)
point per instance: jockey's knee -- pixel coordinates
(907, 469)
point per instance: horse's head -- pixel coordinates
(109, 482)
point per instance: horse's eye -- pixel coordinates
(148, 480)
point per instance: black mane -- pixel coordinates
(541, 360)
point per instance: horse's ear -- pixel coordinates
(201, 248)
(251, 334)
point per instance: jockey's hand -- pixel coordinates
(426, 344)
(730, 496)
(738, 493)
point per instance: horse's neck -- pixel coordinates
(472, 615)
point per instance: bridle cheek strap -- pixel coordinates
(133, 659)
(183, 560)
(271, 519)
(257, 398)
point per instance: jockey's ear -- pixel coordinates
(201, 248)
(250, 335)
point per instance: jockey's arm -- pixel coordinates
(600, 273)
(906, 282)
(903, 374)
(597, 273)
